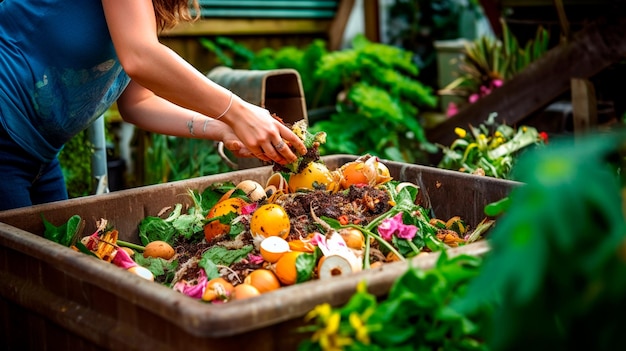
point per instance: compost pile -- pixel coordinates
(234, 241)
(358, 204)
(305, 222)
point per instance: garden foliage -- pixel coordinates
(378, 105)
(554, 279)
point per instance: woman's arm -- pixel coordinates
(160, 70)
(144, 109)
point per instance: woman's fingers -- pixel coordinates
(271, 151)
(237, 148)
(292, 139)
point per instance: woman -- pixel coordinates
(63, 63)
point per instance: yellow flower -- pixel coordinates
(328, 337)
(498, 134)
(328, 334)
(362, 333)
(322, 311)
(497, 142)
(332, 325)
(460, 132)
(361, 287)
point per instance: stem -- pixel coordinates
(131, 245)
(374, 223)
(380, 240)
(413, 247)
(366, 253)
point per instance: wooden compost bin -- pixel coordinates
(52, 297)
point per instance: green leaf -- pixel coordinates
(82, 248)
(305, 264)
(155, 228)
(221, 256)
(158, 266)
(213, 193)
(210, 268)
(66, 234)
(226, 257)
(498, 207)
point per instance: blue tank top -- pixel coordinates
(58, 71)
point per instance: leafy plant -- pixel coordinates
(379, 103)
(317, 91)
(169, 159)
(228, 52)
(304, 60)
(553, 279)
(414, 316)
(75, 160)
(490, 62)
(557, 266)
(489, 149)
(374, 88)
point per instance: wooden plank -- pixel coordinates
(594, 48)
(584, 105)
(249, 26)
(268, 8)
(550, 3)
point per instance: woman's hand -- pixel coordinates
(265, 137)
(234, 145)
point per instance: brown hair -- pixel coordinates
(170, 12)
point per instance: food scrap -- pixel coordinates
(240, 240)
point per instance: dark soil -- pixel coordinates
(358, 205)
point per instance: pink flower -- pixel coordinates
(473, 98)
(453, 109)
(195, 288)
(255, 259)
(497, 83)
(248, 209)
(123, 260)
(317, 239)
(391, 226)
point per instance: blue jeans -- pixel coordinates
(25, 180)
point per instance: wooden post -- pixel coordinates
(372, 20)
(584, 105)
(338, 25)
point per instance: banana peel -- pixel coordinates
(107, 245)
(103, 242)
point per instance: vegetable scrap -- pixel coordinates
(312, 143)
(236, 241)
